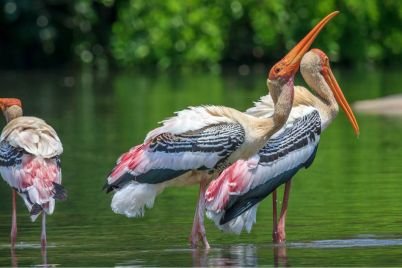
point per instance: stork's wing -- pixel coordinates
(191, 119)
(168, 155)
(247, 182)
(36, 179)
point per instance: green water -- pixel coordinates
(344, 211)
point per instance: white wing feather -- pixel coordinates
(33, 135)
(190, 119)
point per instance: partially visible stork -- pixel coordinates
(30, 163)
(198, 143)
(233, 198)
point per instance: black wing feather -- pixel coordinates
(221, 139)
(10, 155)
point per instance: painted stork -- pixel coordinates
(30, 163)
(232, 199)
(199, 142)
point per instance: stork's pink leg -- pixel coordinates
(13, 234)
(43, 240)
(198, 232)
(281, 235)
(274, 217)
(43, 235)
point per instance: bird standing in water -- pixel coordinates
(30, 163)
(198, 143)
(233, 198)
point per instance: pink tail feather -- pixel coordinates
(40, 183)
(232, 181)
(235, 180)
(127, 162)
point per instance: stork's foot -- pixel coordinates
(198, 236)
(279, 236)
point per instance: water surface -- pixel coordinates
(345, 210)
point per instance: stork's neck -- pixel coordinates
(324, 101)
(283, 105)
(282, 93)
(12, 112)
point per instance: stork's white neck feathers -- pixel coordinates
(12, 112)
(324, 100)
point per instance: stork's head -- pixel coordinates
(317, 73)
(11, 107)
(283, 72)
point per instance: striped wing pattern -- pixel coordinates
(246, 183)
(168, 155)
(9, 155)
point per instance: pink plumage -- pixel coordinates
(128, 162)
(236, 179)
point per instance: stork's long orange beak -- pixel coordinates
(289, 65)
(340, 98)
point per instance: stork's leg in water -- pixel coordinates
(281, 234)
(43, 240)
(198, 232)
(43, 235)
(14, 259)
(274, 217)
(13, 234)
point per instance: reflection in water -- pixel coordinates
(349, 243)
(200, 257)
(44, 255)
(14, 260)
(238, 255)
(21, 246)
(235, 255)
(280, 255)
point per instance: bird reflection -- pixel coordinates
(236, 255)
(239, 255)
(44, 255)
(280, 255)
(14, 258)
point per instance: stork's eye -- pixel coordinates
(277, 70)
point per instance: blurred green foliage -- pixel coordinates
(194, 33)
(169, 33)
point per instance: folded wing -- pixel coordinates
(232, 198)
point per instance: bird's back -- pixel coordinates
(33, 135)
(30, 163)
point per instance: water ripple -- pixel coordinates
(347, 243)
(23, 245)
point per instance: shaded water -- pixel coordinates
(344, 210)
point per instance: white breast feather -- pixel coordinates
(262, 108)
